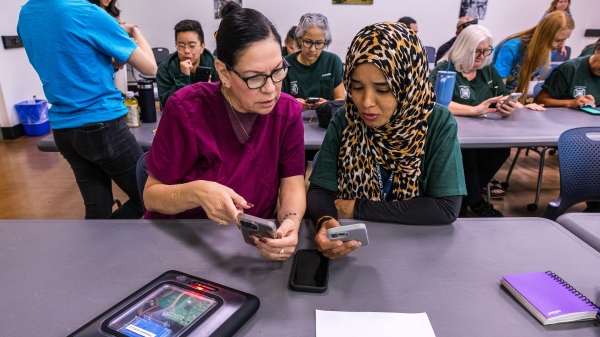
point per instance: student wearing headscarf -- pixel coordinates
(390, 154)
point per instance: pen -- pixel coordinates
(310, 119)
(495, 89)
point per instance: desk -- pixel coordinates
(58, 275)
(585, 226)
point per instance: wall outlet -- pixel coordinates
(12, 42)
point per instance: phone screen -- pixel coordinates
(311, 269)
(590, 110)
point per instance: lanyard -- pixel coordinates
(388, 184)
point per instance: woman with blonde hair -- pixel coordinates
(559, 5)
(523, 55)
(479, 90)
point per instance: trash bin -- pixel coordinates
(34, 116)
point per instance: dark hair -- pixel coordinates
(291, 34)
(597, 46)
(239, 28)
(407, 20)
(189, 26)
(111, 9)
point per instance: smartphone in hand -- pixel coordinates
(512, 98)
(202, 74)
(312, 100)
(257, 227)
(356, 232)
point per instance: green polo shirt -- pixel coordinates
(473, 92)
(316, 80)
(572, 79)
(441, 169)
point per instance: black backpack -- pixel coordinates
(326, 110)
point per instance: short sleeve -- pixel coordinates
(291, 154)
(557, 84)
(338, 71)
(174, 143)
(107, 36)
(506, 58)
(444, 175)
(324, 171)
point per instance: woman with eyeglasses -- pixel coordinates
(223, 148)
(179, 69)
(314, 72)
(390, 154)
(479, 90)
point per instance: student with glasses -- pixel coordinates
(235, 146)
(479, 90)
(180, 67)
(314, 72)
(463, 23)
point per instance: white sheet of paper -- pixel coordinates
(381, 324)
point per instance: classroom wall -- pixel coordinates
(436, 18)
(18, 79)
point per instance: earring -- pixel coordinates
(227, 85)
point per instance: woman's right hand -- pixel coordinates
(305, 106)
(484, 107)
(221, 203)
(333, 249)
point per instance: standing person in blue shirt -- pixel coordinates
(71, 44)
(313, 72)
(523, 55)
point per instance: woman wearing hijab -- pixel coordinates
(390, 154)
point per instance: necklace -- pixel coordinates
(235, 114)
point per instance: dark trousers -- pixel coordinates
(99, 153)
(480, 166)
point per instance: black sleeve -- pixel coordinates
(417, 211)
(320, 202)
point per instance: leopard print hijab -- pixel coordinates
(399, 145)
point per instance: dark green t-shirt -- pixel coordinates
(572, 79)
(473, 92)
(317, 80)
(588, 51)
(441, 169)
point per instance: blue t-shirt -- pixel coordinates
(70, 44)
(508, 60)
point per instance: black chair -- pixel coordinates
(141, 176)
(560, 58)
(579, 167)
(160, 54)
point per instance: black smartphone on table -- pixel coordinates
(202, 74)
(310, 271)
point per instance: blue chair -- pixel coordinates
(579, 167)
(537, 88)
(141, 176)
(560, 58)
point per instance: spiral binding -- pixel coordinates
(572, 290)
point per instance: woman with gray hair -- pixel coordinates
(479, 90)
(314, 72)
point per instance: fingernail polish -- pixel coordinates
(249, 204)
(263, 240)
(279, 235)
(252, 239)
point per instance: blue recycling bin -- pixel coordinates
(34, 117)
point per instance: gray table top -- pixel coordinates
(585, 226)
(58, 275)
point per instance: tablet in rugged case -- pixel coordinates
(175, 305)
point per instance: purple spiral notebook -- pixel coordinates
(549, 298)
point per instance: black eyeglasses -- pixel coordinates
(467, 24)
(257, 81)
(485, 52)
(309, 43)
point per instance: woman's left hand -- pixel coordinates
(345, 208)
(506, 108)
(536, 107)
(282, 247)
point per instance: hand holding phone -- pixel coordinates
(334, 249)
(356, 232)
(512, 98)
(256, 227)
(312, 100)
(202, 74)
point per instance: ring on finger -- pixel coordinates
(220, 222)
(281, 251)
(235, 196)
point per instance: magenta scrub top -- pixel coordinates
(196, 141)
